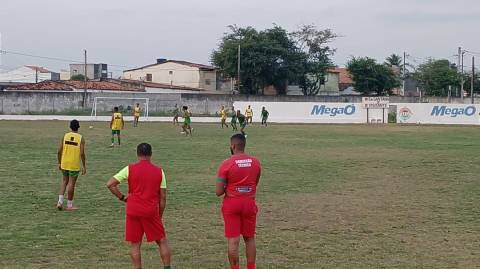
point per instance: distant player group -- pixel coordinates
(237, 181)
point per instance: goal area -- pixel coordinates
(125, 105)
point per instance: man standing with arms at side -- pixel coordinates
(137, 110)
(70, 152)
(116, 124)
(145, 204)
(249, 114)
(237, 181)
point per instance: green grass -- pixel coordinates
(331, 196)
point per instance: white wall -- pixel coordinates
(24, 75)
(296, 112)
(422, 113)
(182, 75)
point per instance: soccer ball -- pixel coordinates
(91, 127)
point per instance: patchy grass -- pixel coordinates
(331, 196)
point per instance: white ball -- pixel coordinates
(91, 127)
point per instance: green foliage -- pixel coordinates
(78, 77)
(274, 57)
(436, 76)
(468, 83)
(371, 77)
(394, 60)
(316, 57)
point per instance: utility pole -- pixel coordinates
(85, 80)
(404, 72)
(36, 74)
(473, 79)
(238, 68)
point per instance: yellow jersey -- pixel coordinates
(249, 112)
(136, 111)
(117, 123)
(223, 114)
(71, 152)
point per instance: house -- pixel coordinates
(94, 71)
(29, 74)
(344, 78)
(176, 73)
(331, 85)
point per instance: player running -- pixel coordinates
(136, 114)
(71, 153)
(116, 124)
(176, 114)
(223, 115)
(145, 204)
(237, 181)
(233, 123)
(187, 128)
(242, 120)
(249, 114)
(264, 116)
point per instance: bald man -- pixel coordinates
(237, 181)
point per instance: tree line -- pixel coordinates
(276, 57)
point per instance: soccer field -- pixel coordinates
(331, 196)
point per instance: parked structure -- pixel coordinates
(94, 71)
(176, 73)
(29, 74)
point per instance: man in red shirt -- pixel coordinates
(145, 204)
(237, 180)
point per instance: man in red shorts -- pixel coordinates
(145, 204)
(237, 180)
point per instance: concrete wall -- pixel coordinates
(48, 102)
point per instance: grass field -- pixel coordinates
(331, 196)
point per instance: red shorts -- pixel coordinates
(240, 217)
(152, 227)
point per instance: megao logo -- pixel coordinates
(405, 113)
(453, 112)
(333, 111)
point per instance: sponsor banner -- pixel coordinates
(310, 112)
(379, 102)
(438, 113)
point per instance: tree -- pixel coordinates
(468, 83)
(394, 60)
(371, 77)
(267, 57)
(435, 76)
(315, 57)
(78, 77)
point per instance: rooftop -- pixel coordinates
(190, 64)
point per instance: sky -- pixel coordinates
(127, 34)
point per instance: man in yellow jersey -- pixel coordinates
(116, 124)
(249, 114)
(136, 114)
(71, 153)
(223, 115)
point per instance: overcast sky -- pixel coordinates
(136, 32)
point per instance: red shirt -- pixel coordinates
(241, 174)
(144, 179)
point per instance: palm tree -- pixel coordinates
(394, 60)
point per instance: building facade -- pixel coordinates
(29, 74)
(94, 71)
(176, 73)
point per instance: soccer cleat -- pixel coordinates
(59, 206)
(72, 208)
(111, 146)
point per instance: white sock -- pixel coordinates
(70, 203)
(60, 199)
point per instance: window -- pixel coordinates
(207, 82)
(170, 72)
(149, 77)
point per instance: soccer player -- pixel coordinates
(116, 124)
(242, 120)
(136, 114)
(145, 204)
(187, 128)
(176, 114)
(264, 116)
(249, 114)
(71, 154)
(223, 115)
(237, 181)
(233, 123)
